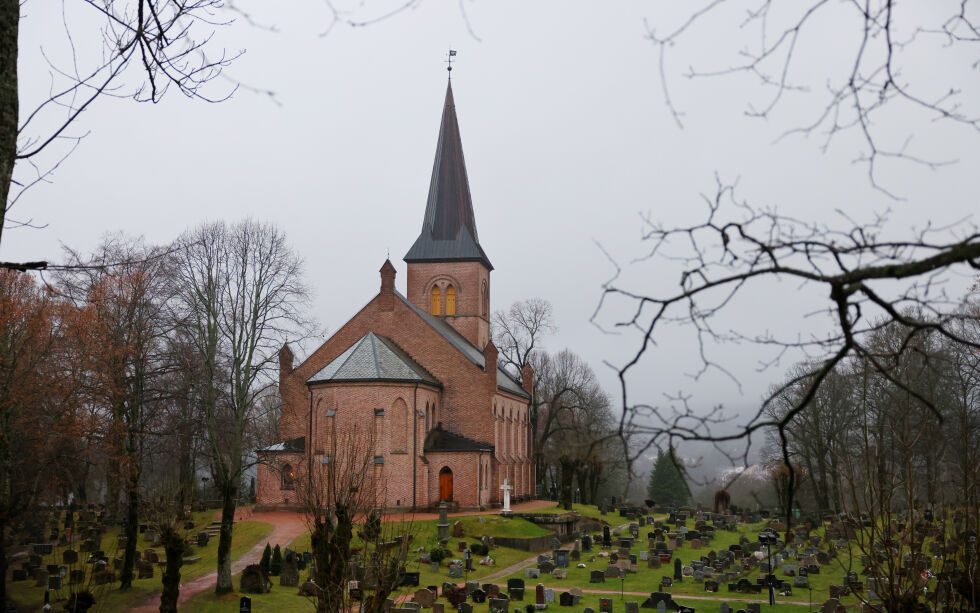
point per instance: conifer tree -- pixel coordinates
(266, 560)
(275, 566)
(668, 480)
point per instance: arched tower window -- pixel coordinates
(288, 477)
(485, 300)
(435, 301)
(450, 300)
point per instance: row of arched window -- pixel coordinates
(436, 304)
(435, 300)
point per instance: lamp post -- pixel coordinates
(769, 538)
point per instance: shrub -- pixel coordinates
(275, 566)
(438, 554)
(266, 558)
(479, 549)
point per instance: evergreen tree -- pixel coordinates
(266, 560)
(668, 480)
(275, 566)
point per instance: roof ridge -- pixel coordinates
(374, 351)
(393, 346)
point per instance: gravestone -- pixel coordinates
(677, 569)
(653, 561)
(801, 581)
(498, 605)
(559, 573)
(605, 605)
(754, 607)
(711, 585)
(561, 558)
(661, 607)
(606, 538)
(631, 606)
(565, 599)
(144, 569)
(532, 573)
(479, 596)
(69, 556)
(587, 543)
(458, 529)
(289, 575)
(545, 568)
(464, 607)
(456, 571)
(202, 539)
(597, 576)
(254, 580)
(424, 597)
(831, 605)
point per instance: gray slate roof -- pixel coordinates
(296, 445)
(444, 440)
(374, 358)
(449, 228)
(457, 340)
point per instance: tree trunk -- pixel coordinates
(3, 564)
(565, 487)
(173, 546)
(9, 104)
(229, 498)
(132, 534)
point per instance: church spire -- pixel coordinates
(449, 227)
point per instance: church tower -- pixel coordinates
(448, 272)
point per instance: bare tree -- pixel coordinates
(148, 46)
(344, 488)
(122, 330)
(871, 276)
(239, 295)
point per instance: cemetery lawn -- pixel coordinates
(593, 512)
(425, 536)
(647, 579)
(109, 598)
(245, 536)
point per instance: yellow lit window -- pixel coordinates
(436, 302)
(450, 300)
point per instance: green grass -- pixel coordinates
(109, 598)
(593, 512)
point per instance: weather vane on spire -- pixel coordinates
(449, 61)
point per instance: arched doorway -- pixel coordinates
(445, 484)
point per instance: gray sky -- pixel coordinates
(567, 140)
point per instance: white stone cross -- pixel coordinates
(506, 487)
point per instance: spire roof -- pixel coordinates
(449, 228)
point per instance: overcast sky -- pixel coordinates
(567, 141)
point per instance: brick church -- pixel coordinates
(416, 373)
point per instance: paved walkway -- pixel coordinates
(287, 527)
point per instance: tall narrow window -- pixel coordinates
(399, 426)
(450, 300)
(435, 302)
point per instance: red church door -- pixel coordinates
(445, 484)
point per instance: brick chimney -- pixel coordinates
(527, 379)
(285, 363)
(387, 294)
(490, 358)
